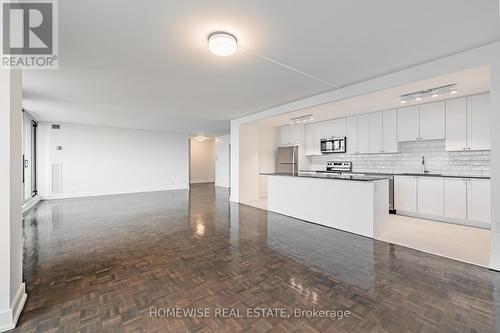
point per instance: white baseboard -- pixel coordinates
(52, 196)
(444, 219)
(495, 262)
(198, 181)
(9, 317)
(30, 203)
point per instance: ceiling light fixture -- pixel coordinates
(200, 138)
(222, 44)
(301, 119)
(429, 93)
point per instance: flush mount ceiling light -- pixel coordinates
(222, 44)
(432, 93)
(301, 119)
(200, 138)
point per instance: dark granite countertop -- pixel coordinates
(400, 174)
(325, 175)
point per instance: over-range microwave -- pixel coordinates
(333, 145)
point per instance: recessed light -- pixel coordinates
(435, 95)
(222, 44)
(453, 91)
(418, 98)
(402, 101)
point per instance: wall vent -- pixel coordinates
(56, 126)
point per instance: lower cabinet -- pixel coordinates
(430, 199)
(455, 200)
(405, 193)
(458, 200)
(478, 200)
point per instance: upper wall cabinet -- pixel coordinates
(351, 129)
(314, 133)
(383, 132)
(290, 135)
(335, 127)
(478, 122)
(363, 133)
(468, 123)
(456, 124)
(390, 131)
(376, 132)
(432, 121)
(422, 122)
(408, 124)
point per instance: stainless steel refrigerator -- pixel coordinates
(287, 161)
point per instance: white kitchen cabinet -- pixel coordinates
(405, 193)
(478, 122)
(390, 131)
(430, 197)
(432, 121)
(455, 198)
(408, 123)
(318, 135)
(352, 134)
(364, 133)
(339, 127)
(456, 124)
(285, 135)
(376, 132)
(290, 134)
(309, 139)
(478, 200)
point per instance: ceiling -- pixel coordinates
(146, 65)
(471, 81)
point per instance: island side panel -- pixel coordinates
(381, 206)
(340, 204)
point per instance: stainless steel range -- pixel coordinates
(338, 167)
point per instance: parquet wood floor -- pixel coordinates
(102, 264)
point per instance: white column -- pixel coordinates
(495, 160)
(12, 292)
(235, 161)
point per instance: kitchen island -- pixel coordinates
(353, 203)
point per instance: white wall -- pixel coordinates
(12, 291)
(495, 159)
(202, 161)
(102, 160)
(267, 155)
(489, 54)
(248, 163)
(222, 160)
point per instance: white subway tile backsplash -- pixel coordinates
(437, 160)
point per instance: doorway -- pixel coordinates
(29, 156)
(201, 160)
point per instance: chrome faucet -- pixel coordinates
(423, 165)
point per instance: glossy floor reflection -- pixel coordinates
(99, 264)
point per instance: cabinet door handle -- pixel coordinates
(468, 148)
